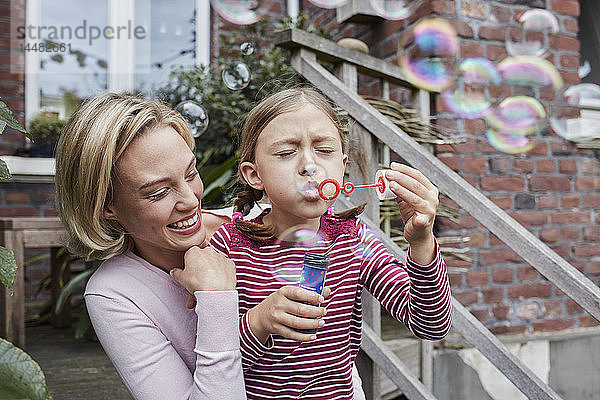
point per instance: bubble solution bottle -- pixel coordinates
(312, 278)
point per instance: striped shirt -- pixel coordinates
(416, 295)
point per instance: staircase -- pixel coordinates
(308, 51)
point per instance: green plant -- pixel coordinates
(20, 376)
(45, 130)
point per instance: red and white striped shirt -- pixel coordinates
(416, 295)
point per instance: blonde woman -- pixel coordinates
(128, 192)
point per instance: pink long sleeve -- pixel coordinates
(161, 349)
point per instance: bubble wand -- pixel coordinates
(381, 183)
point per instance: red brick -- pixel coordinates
(473, 9)
(586, 250)
(527, 311)
(570, 233)
(569, 61)
(570, 217)
(466, 297)
(570, 78)
(570, 201)
(502, 275)
(590, 167)
(523, 166)
(476, 239)
(474, 165)
(492, 295)
(471, 50)
(563, 42)
(591, 233)
(572, 307)
(508, 329)
(584, 184)
(529, 291)
(477, 278)
(464, 222)
(491, 257)
(501, 312)
(562, 250)
(455, 278)
(462, 28)
(527, 273)
(23, 211)
(50, 212)
(530, 218)
(549, 184)
(587, 321)
(504, 202)
(18, 197)
(546, 166)
(500, 14)
(571, 25)
(552, 308)
(567, 7)
(481, 314)
(453, 162)
(509, 183)
(497, 33)
(495, 241)
(550, 325)
(593, 267)
(544, 202)
(475, 126)
(495, 53)
(539, 149)
(444, 7)
(549, 235)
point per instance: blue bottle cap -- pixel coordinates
(318, 261)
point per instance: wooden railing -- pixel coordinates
(307, 51)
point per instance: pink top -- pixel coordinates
(417, 295)
(160, 348)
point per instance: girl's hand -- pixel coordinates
(417, 200)
(282, 312)
(205, 269)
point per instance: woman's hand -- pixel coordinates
(417, 200)
(282, 312)
(205, 269)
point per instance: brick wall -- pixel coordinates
(553, 190)
(12, 73)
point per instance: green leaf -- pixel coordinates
(4, 172)
(69, 287)
(83, 324)
(20, 376)
(2, 126)
(8, 268)
(8, 117)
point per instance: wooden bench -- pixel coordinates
(22, 233)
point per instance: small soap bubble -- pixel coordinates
(239, 12)
(568, 117)
(365, 248)
(394, 10)
(247, 48)
(516, 115)
(195, 115)
(584, 69)
(508, 143)
(467, 96)
(296, 237)
(328, 3)
(427, 54)
(236, 75)
(530, 71)
(531, 36)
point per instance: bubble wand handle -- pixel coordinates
(347, 188)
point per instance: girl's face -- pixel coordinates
(157, 194)
(294, 153)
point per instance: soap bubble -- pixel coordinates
(328, 3)
(467, 96)
(247, 48)
(531, 37)
(427, 54)
(365, 248)
(393, 9)
(195, 116)
(236, 76)
(509, 143)
(516, 115)
(239, 12)
(283, 268)
(530, 71)
(568, 117)
(584, 69)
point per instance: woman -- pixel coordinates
(128, 192)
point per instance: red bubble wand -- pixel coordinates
(348, 187)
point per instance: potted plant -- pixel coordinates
(45, 130)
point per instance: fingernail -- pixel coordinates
(324, 311)
(394, 164)
(321, 323)
(394, 185)
(321, 299)
(313, 337)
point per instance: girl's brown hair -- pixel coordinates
(260, 116)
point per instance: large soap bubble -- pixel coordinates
(568, 117)
(195, 115)
(532, 35)
(239, 12)
(427, 54)
(236, 75)
(530, 71)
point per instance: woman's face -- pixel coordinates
(157, 194)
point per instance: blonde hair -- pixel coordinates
(94, 138)
(279, 103)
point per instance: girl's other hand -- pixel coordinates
(205, 269)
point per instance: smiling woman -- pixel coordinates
(128, 192)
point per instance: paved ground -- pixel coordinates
(75, 369)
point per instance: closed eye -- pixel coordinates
(192, 175)
(157, 195)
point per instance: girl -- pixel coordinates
(290, 143)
